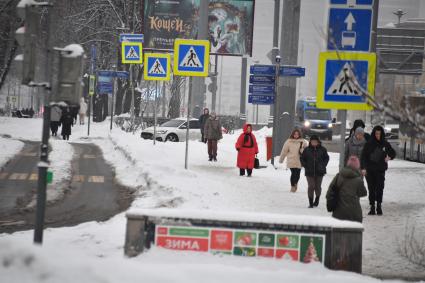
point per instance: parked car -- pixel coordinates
(19, 114)
(174, 130)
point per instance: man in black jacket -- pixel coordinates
(375, 156)
(202, 120)
(314, 159)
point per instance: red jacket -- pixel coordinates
(246, 150)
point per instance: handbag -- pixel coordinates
(256, 163)
(332, 196)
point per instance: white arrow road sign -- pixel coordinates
(350, 21)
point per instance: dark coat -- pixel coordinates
(350, 189)
(314, 160)
(247, 148)
(212, 129)
(374, 152)
(67, 121)
(202, 120)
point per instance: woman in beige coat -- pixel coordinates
(292, 150)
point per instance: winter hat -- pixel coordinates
(359, 130)
(353, 162)
(314, 138)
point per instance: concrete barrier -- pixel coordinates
(336, 244)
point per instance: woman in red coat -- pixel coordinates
(247, 149)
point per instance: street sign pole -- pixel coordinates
(154, 112)
(343, 115)
(189, 101)
(113, 94)
(275, 108)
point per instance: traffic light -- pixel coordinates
(27, 37)
(68, 86)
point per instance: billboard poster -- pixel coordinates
(230, 24)
(293, 246)
(167, 20)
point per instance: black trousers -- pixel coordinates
(375, 184)
(295, 175)
(242, 172)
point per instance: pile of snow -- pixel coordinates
(8, 149)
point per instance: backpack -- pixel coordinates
(332, 196)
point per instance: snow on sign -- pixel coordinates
(131, 52)
(342, 76)
(301, 247)
(157, 67)
(191, 57)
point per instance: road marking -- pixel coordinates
(96, 179)
(89, 156)
(33, 177)
(3, 176)
(78, 179)
(18, 176)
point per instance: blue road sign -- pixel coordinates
(157, 66)
(292, 71)
(113, 74)
(122, 74)
(262, 80)
(93, 59)
(104, 88)
(352, 2)
(131, 37)
(106, 73)
(349, 29)
(191, 58)
(261, 89)
(260, 99)
(104, 83)
(262, 70)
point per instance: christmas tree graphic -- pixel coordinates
(311, 253)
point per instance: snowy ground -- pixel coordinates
(158, 172)
(8, 149)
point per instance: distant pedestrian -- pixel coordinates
(74, 110)
(202, 120)
(83, 110)
(247, 148)
(67, 121)
(314, 159)
(55, 119)
(358, 123)
(292, 150)
(354, 145)
(213, 133)
(375, 156)
(347, 188)
(31, 112)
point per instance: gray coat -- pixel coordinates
(353, 147)
(350, 189)
(212, 130)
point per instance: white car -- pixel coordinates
(174, 130)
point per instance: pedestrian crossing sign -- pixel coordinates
(131, 52)
(344, 80)
(157, 67)
(191, 57)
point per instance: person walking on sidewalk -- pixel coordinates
(55, 119)
(314, 159)
(354, 145)
(375, 156)
(292, 150)
(67, 121)
(202, 120)
(247, 148)
(213, 133)
(347, 188)
(83, 110)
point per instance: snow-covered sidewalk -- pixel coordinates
(158, 172)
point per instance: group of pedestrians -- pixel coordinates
(66, 117)
(365, 156)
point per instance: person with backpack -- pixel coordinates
(247, 148)
(345, 191)
(292, 150)
(314, 159)
(375, 156)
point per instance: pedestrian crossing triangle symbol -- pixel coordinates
(157, 68)
(132, 54)
(191, 59)
(345, 83)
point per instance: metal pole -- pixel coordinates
(275, 49)
(43, 165)
(214, 84)
(242, 102)
(189, 100)
(88, 123)
(155, 118)
(132, 96)
(343, 116)
(275, 114)
(113, 94)
(256, 115)
(221, 84)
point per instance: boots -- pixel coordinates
(372, 210)
(379, 209)
(293, 189)
(310, 200)
(316, 201)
